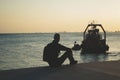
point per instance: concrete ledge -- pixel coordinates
(109, 70)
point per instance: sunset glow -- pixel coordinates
(25, 16)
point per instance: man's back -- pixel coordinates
(51, 51)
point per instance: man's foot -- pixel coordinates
(74, 62)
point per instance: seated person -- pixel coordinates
(52, 50)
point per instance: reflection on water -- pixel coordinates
(93, 57)
(85, 58)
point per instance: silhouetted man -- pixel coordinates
(52, 50)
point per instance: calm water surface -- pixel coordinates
(26, 50)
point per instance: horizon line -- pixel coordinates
(44, 32)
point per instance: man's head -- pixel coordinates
(56, 37)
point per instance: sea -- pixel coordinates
(25, 50)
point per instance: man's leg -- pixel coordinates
(58, 62)
(68, 54)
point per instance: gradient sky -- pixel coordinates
(24, 16)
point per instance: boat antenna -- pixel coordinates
(93, 22)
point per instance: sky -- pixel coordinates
(31, 16)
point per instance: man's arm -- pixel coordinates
(61, 47)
